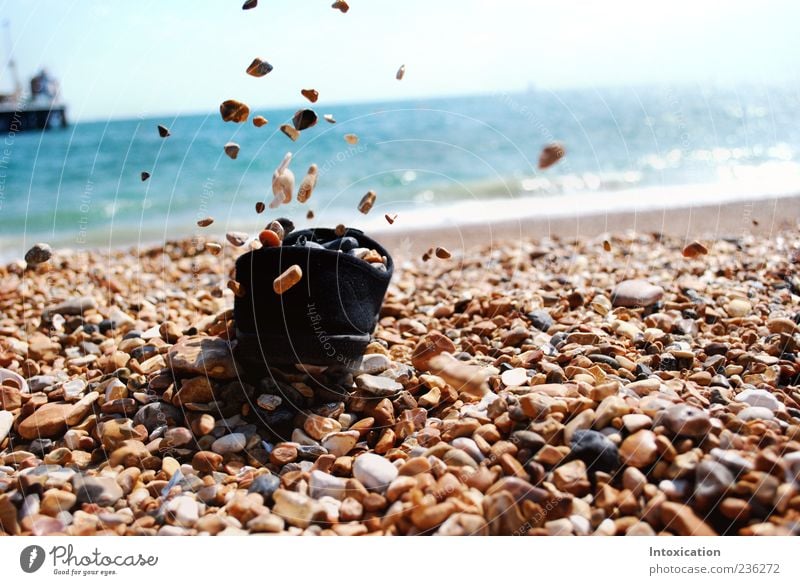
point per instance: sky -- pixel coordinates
(123, 59)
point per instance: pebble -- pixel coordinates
(265, 485)
(144, 175)
(308, 184)
(738, 308)
(163, 131)
(639, 449)
(329, 118)
(595, 450)
(290, 277)
(351, 139)
(233, 443)
(269, 402)
(636, 293)
(237, 239)
(401, 71)
(759, 397)
(374, 472)
(259, 121)
(231, 149)
(323, 484)
(366, 203)
(541, 320)
(249, 4)
(514, 377)
(551, 154)
(234, 111)
(38, 254)
(688, 421)
(339, 444)
(304, 119)
(378, 385)
(341, 6)
(6, 420)
(258, 68)
(311, 95)
(48, 421)
(694, 250)
(103, 491)
(755, 413)
(712, 480)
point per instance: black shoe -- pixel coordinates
(325, 319)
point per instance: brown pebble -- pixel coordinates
(329, 118)
(694, 250)
(234, 111)
(277, 227)
(290, 131)
(258, 68)
(606, 245)
(311, 95)
(442, 253)
(551, 154)
(400, 72)
(214, 248)
(283, 454)
(304, 119)
(269, 239)
(290, 277)
(259, 121)
(367, 201)
(390, 218)
(205, 222)
(341, 6)
(340, 230)
(237, 239)
(309, 214)
(351, 138)
(144, 176)
(249, 4)
(260, 207)
(232, 150)
(163, 131)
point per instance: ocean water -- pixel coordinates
(431, 161)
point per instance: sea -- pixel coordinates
(431, 162)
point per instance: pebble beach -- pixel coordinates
(614, 383)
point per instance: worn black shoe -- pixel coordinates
(325, 319)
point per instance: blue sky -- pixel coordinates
(120, 58)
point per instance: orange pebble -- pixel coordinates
(288, 279)
(269, 239)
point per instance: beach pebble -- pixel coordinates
(205, 222)
(259, 121)
(290, 277)
(639, 449)
(213, 247)
(378, 385)
(249, 4)
(144, 175)
(185, 510)
(759, 397)
(374, 472)
(390, 219)
(551, 154)
(103, 491)
(367, 201)
(269, 402)
(234, 111)
(694, 250)
(738, 308)
(290, 131)
(258, 68)
(283, 181)
(442, 253)
(636, 293)
(304, 119)
(47, 421)
(712, 479)
(322, 484)
(514, 377)
(595, 450)
(231, 149)
(341, 6)
(6, 420)
(308, 184)
(339, 444)
(351, 139)
(202, 356)
(686, 420)
(233, 443)
(265, 485)
(163, 131)
(237, 239)
(329, 118)
(311, 95)
(38, 254)
(755, 413)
